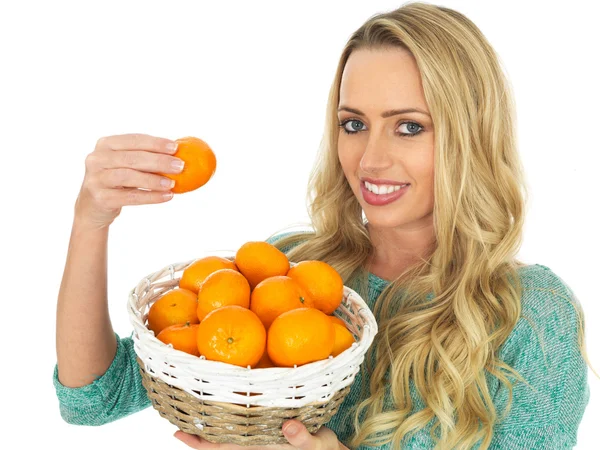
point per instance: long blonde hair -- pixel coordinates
(444, 342)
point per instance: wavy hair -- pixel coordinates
(443, 343)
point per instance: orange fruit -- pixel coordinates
(321, 282)
(264, 361)
(182, 337)
(200, 164)
(343, 339)
(300, 336)
(194, 274)
(336, 319)
(274, 296)
(259, 260)
(222, 288)
(175, 307)
(232, 334)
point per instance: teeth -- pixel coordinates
(382, 189)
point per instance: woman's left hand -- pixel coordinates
(298, 437)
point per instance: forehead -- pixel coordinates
(381, 79)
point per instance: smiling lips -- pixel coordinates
(382, 194)
(383, 188)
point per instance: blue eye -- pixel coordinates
(410, 126)
(343, 125)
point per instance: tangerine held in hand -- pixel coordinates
(200, 164)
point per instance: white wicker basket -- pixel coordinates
(226, 403)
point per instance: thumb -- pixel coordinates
(297, 435)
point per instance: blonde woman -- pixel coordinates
(418, 201)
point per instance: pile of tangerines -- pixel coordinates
(255, 310)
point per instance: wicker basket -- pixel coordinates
(224, 403)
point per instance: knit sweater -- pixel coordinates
(542, 347)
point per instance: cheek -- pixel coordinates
(347, 160)
(427, 175)
(423, 167)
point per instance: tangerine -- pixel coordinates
(300, 336)
(232, 334)
(221, 288)
(343, 339)
(194, 274)
(182, 337)
(321, 282)
(274, 296)
(259, 260)
(200, 164)
(176, 307)
(336, 319)
(264, 361)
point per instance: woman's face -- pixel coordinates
(385, 150)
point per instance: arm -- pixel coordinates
(544, 349)
(96, 378)
(85, 340)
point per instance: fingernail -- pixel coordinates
(172, 147)
(166, 182)
(178, 165)
(291, 429)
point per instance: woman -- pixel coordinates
(418, 201)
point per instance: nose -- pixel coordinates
(376, 157)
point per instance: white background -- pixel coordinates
(251, 79)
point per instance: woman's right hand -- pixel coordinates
(116, 170)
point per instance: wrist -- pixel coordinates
(81, 225)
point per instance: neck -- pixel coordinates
(394, 249)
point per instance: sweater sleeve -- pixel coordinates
(544, 349)
(115, 394)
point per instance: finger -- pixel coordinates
(121, 177)
(298, 436)
(197, 442)
(139, 160)
(200, 443)
(136, 141)
(117, 198)
(193, 441)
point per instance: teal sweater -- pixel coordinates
(546, 417)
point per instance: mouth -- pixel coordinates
(384, 194)
(383, 188)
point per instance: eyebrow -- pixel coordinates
(385, 114)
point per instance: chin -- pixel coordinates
(385, 219)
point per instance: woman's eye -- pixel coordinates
(353, 125)
(412, 128)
